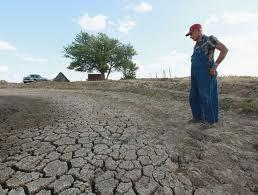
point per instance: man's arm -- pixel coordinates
(223, 52)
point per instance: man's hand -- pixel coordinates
(213, 70)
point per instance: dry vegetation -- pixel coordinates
(236, 93)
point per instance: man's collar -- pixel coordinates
(201, 39)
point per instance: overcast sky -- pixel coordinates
(33, 34)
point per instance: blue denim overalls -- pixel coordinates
(203, 93)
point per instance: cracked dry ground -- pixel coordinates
(95, 142)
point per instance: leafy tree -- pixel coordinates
(126, 65)
(129, 70)
(98, 53)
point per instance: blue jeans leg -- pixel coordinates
(194, 99)
(208, 97)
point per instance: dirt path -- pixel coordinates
(95, 142)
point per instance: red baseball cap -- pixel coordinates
(192, 28)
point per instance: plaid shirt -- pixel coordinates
(208, 44)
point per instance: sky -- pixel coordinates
(34, 33)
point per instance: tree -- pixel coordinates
(125, 63)
(100, 53)
(129, 70)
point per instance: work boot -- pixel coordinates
(195, 121)
(207, 125)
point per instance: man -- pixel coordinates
(203, 93)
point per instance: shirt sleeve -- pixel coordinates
(213, 41)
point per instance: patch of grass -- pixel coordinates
(227, 103)
(244, 105)
(249, 106)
